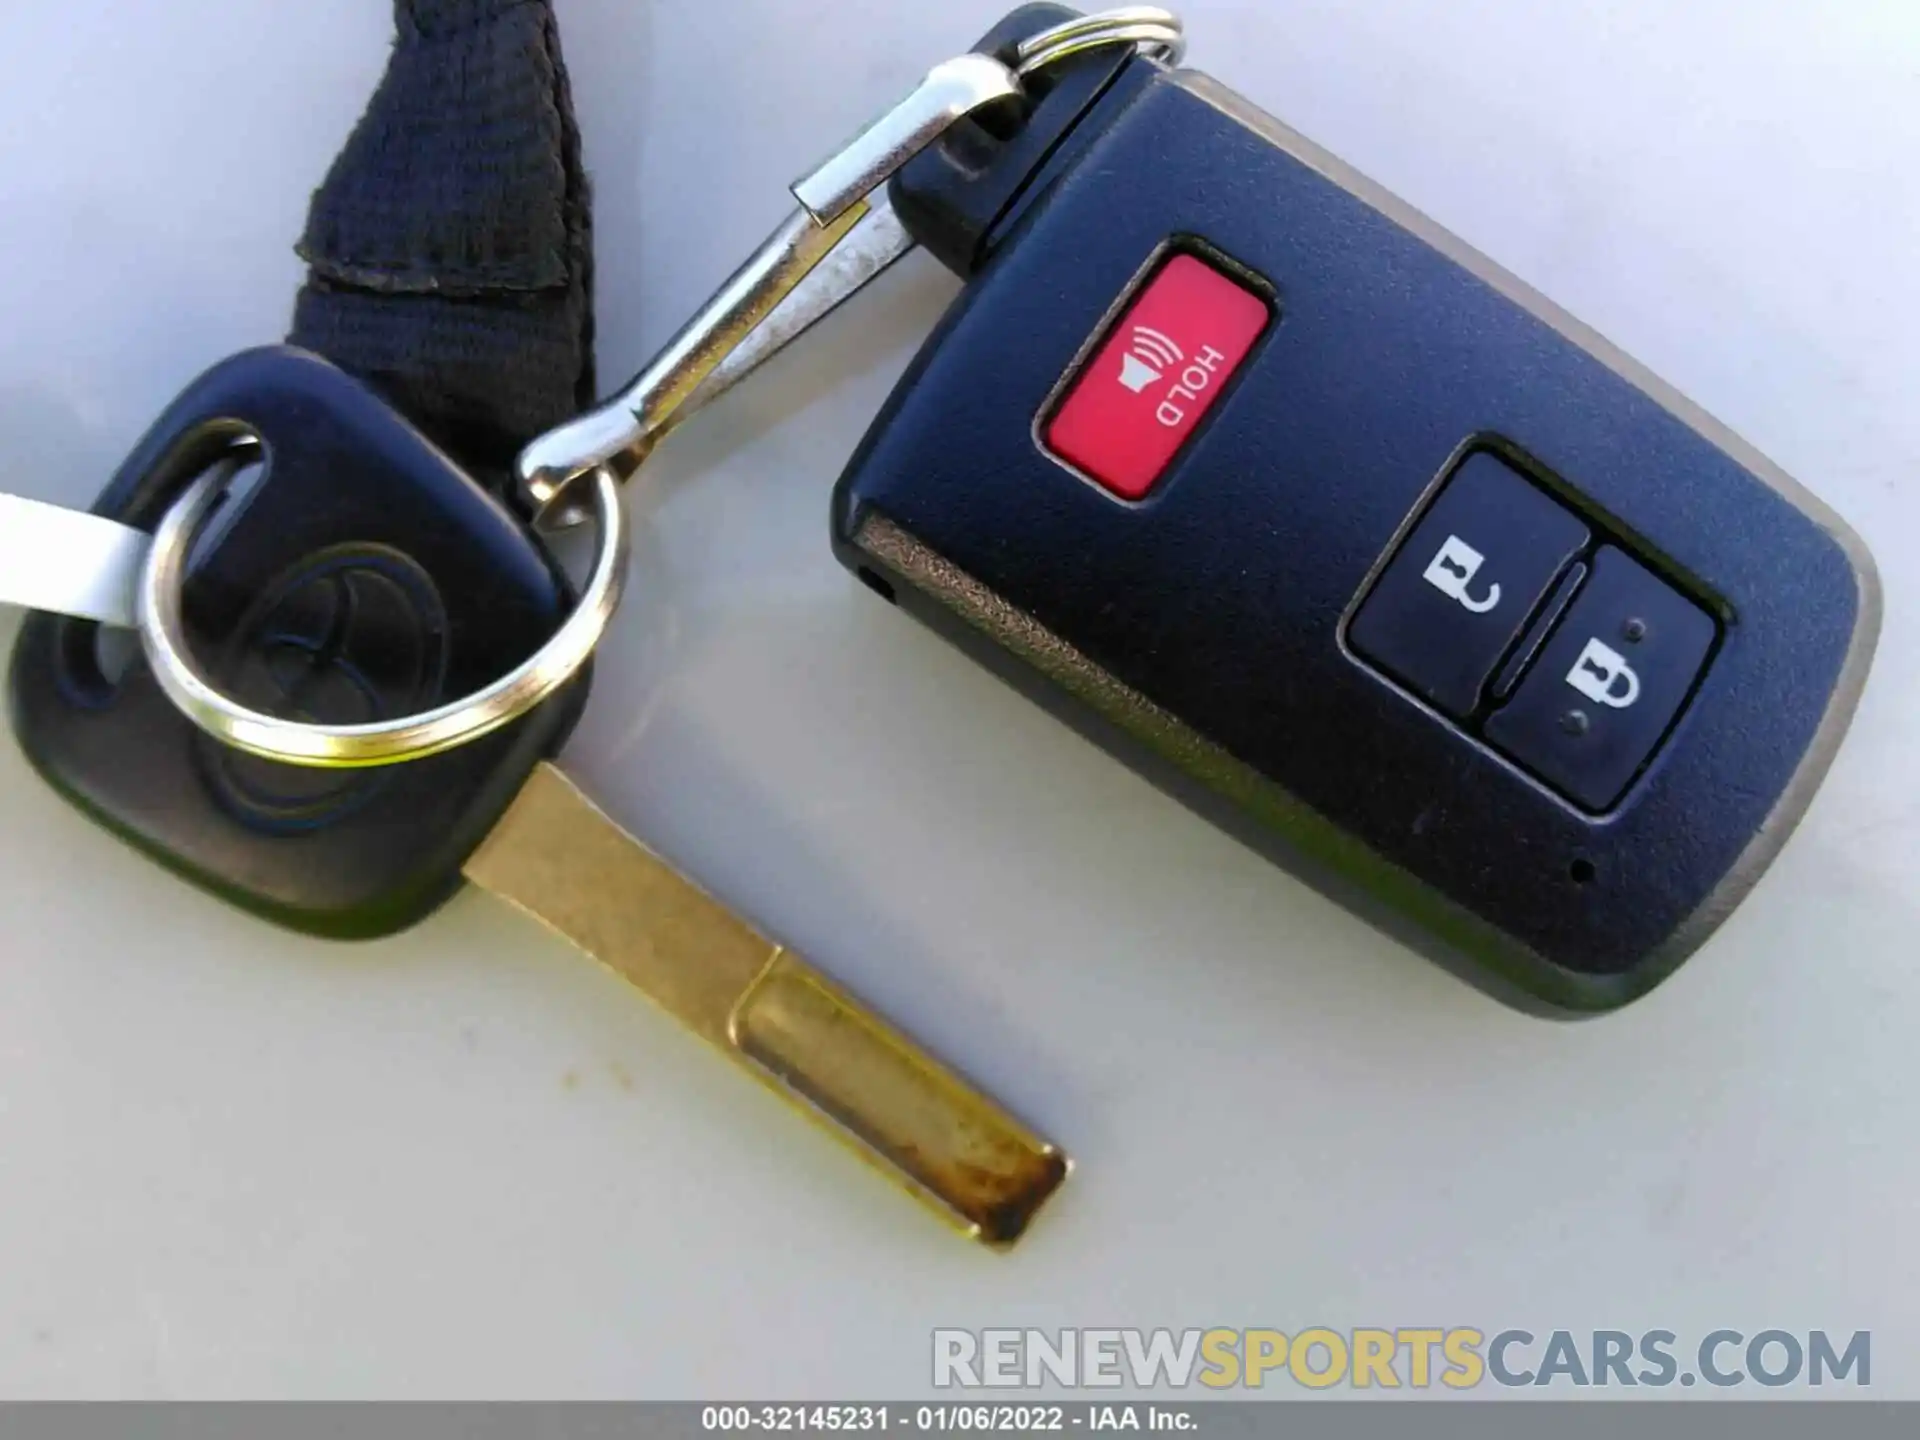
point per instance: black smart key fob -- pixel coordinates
(364, 576)
(1339, 532)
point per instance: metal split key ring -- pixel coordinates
(841, 237)
(163, 636)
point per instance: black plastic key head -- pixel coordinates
(1347, 538)
(363, 577)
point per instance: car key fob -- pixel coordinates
(1342, 534)
(364, 576)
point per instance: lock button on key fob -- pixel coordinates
(1608, 684)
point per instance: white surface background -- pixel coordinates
(236, 1162)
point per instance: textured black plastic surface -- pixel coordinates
(365, 577)
(1219, 603)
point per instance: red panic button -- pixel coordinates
(1154, 378)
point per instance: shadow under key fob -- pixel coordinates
(1335, 530)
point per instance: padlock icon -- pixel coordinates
(1599, 671)
(1452, 571)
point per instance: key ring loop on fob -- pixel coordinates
(428, 732)
(1148, 28)
(573, 472)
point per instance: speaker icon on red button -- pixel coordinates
(1152, 355)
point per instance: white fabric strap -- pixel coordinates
(69, 562)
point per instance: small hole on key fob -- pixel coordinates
(239, 493)
(114, 651)
(875, 583)
(93, 660)
(1581, 871)
(1001, 120)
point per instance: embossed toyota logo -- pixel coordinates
(349, 635)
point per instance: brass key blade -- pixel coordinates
(559, 858)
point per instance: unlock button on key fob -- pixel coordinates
(1460, 589)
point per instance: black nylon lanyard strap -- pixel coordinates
(450, 245)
